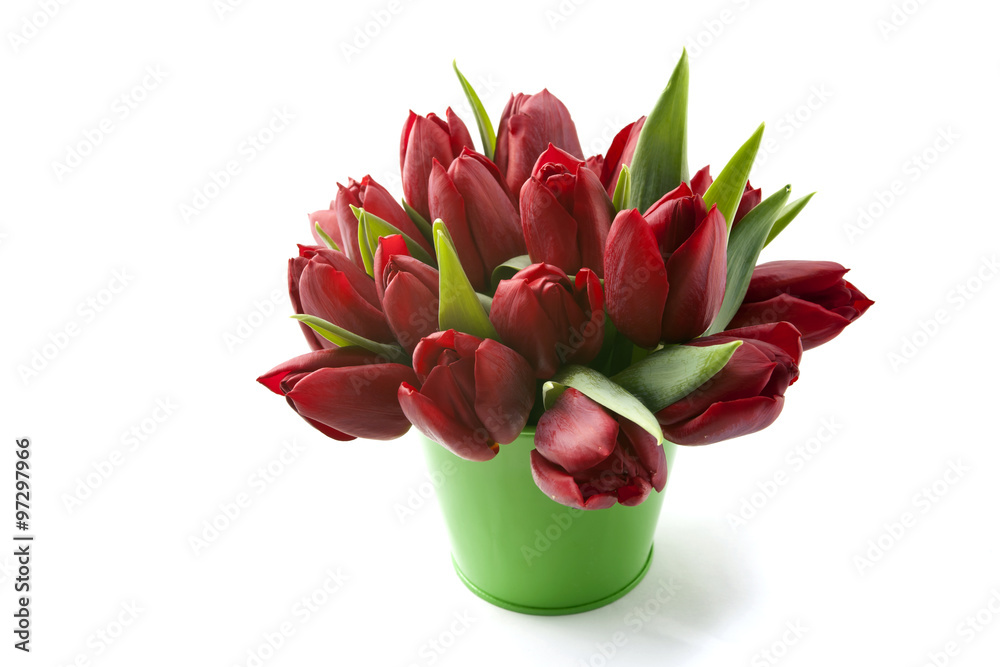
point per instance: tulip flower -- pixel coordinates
(474, 394)
(565, 213)
(665, 273)
(327, 221)
(408, 291)
(702, 180)
(746, 395)
(480, 213)
(530, 123)
(588, 458)
(424, 140)
(549, 319)
(811, 295)
(621, 153)
(376, 200)
(345, 393)
(325, 283)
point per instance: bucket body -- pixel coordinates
(518, 549)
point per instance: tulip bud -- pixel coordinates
(588, 458)
(424, 140)
(620, 153)
(813, 296)
(665, 273)
(326, 284)
(376, 200)
(565, 213)
(345, 393)
(408, 291)
(479, 212)
(474, 394)
(549, 319)
(530, 123)
(746, 395)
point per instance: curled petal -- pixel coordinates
(635, 279)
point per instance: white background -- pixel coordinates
(868, 101)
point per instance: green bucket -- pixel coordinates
(516, 548)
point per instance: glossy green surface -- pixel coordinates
(520, 550)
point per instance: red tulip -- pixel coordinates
(746, 395)
(549, 319)
(530, 123)
(665, 273)
(811, 295)
(621, 152)
(565, 213)
(589, 458)
(345, 393)
(325, 283)
(424, 140)
(480, 213)
(408, 291)
(474, 394)
(376, 200)
(701, 181)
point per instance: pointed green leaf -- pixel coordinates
(745, 243)
(660, 161)
(367, 257)
(728, 188)
(787, 215)
(460, 308)
(343, 338)
(622, 188)
(507, 270)
(486, 132)
(666, 376)
(330, 243)
(420, 222)
(377, 227)
(597, 387)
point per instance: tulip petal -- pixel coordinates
(550, 232)
(696, 275)
(635, 279)
(651, 456)
(525, 326)
(447, 203)
(792, 277)
(359, 400)
(313, 361)
(556, 483)
(423, 142)
(723, 421)
(377, 201)
(505, 390)
(327, 221)
(430, 420)
(409, 311)
(576, 433)
(817, 324)
(594, 212)
(491, 214)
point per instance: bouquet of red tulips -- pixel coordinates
(612, 301)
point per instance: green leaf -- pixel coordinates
(486, 132)
(670, 374)
(367, 257)
(420, 222)
(787, 215)
(597, 387)
(376, 227)
(343, 338)
(622, 188)
(509, 268)
(726, 191)
(745, 243)
(660, 161)
(460, 308)
(330, 243)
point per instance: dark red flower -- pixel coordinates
(425, 139)
(589, 458)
